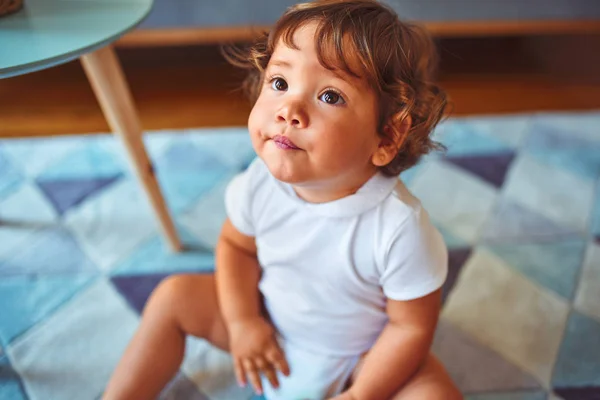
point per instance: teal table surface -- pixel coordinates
(52, 32)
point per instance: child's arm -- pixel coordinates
(401, 348)
(237, 275)
(252, 340)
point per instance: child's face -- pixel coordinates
(310, 125)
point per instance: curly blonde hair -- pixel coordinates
(365, 39)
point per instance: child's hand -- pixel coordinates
(255, 351)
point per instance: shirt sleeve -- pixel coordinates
(417, 260)
(238, 200)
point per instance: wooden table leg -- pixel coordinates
(104, 72)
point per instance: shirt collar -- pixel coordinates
(373, 192)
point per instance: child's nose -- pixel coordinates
(292, 113)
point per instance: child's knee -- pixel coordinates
(431, 382)
(189, 302)
(168, 293)
(433, 390)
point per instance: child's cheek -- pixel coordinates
(256, 130)
(254, 120)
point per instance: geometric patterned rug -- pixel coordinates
(517, 199)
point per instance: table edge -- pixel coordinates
(72, 55)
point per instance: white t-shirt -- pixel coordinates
(327, 268)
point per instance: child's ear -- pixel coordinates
(391, 142)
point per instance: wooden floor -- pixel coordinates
(182, 87)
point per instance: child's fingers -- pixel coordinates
(253, 375)
(276, 357)
(268, 370)
(240, 376)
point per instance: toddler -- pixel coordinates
(328, 270)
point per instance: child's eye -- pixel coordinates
(279, 84)
(331, 97)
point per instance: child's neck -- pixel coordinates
(331, 190)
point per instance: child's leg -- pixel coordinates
(180, 305)
(431, 381)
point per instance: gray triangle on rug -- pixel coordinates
(67, 193)
(515, 223)
(457, 258)
(136, 289)
(474, 367)
(490, 167)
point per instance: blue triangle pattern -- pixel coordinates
(513, 223)
(452, 241)
(185, 155)
(232, 146)
(554, 265)
(491, 168)
(153, 257)
(6, 370)
(11, 387)
(36, 282)
(408, 175)
(462, 139)
(565, 150)
(456, 260)
(577, 364)
(136, 289)
(67, 193)
(27, 300)
(182, 188)
(11, 177)
(91, 160)
(470, 363)
(50, 251)
(510, 129)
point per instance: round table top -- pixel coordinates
(45, 33)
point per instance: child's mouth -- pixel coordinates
(284, 143)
